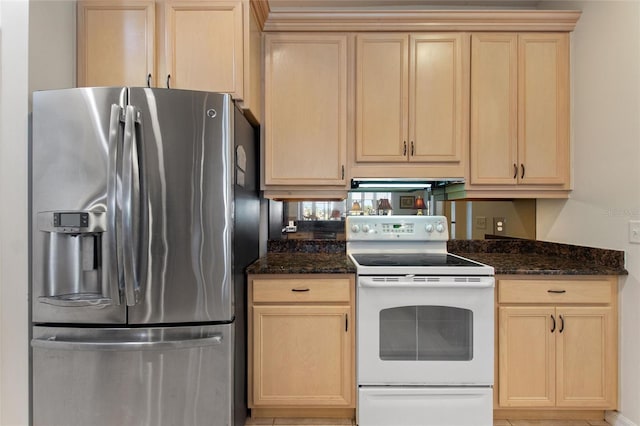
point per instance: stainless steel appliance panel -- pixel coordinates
(184, 224)
(133, 377)
(74, 133)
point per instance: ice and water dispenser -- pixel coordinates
(73, 258)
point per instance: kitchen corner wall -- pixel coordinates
(37, 48)
(14, 319)
(606, 157)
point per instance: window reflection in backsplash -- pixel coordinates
(467, 219)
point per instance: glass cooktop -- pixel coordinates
(411, 259)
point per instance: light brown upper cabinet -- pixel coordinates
(305, 124)
(185, 44)
(411, 99)
(116, 42)
(204, 46)
(520, 111)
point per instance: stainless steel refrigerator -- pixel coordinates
(145, 213)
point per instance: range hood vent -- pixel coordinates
(399, 184)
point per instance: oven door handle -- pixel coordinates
(412, 282)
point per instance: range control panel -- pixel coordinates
(406, 228)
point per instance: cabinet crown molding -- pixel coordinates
(423, 20)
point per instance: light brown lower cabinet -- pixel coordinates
(301, 345)
(557, 343)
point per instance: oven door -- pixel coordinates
(423, 330)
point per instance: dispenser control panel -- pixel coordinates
(72, 222)
(71, 219)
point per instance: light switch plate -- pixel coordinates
(481, 222)
(634, 231)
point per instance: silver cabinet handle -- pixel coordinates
(72, 345)
(113, 207)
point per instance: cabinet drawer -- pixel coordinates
(554, 291)
(301, 290)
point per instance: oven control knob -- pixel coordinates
(355, 228)
(440, 227)
(429, 228)
(365, 228)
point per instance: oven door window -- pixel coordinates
(426, 333)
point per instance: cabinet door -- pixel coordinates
(302, 355)
(204, 45)
(115, 42)
(543, 108)
(305, 127)
(493, 145)
(586, 358)
(437, 96)
(527, 356)
(381, 97)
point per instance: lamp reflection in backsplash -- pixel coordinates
(419, 205)
(384, 207)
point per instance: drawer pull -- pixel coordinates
(300, 290)
(553, 327)
(561, 324)
(557, 291)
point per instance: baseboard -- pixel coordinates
(616, 419)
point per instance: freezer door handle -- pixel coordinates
(113, 207)
(77, 300)
(75, 345)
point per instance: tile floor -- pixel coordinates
(339, 422)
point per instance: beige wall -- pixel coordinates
(14, 325)
(52, 53)
(606, 159)
(38, 52)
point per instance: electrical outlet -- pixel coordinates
(499, 226)
(634, 231)
(481, 222)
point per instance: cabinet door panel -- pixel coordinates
(493, 108)
(115, 43)
(526, 356)
(302, 356)
(586, 358)
(205, 45)
(305, 133)
(381, 93)
(437, 94)
(543, 108)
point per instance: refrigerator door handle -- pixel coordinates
(75, 345)
(131, 209)
(113, 208)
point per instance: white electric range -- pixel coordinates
(425, 327)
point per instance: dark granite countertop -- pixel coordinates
(538, 264)
(519, 256)
(508, 256)
(303, 263)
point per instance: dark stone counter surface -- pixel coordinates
(515, 256)
(507, 256)
(304, 257)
